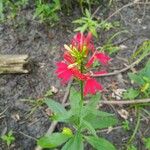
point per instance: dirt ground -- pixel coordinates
(44, 45)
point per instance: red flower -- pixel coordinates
(103, 58)
(76, 55)
(91, 86)
(63, 72)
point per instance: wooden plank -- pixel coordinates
(13, 64)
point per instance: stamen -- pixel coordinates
(67, 47)
(72, 65)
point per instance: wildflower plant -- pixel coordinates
(82, 120)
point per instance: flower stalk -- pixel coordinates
(81, 86)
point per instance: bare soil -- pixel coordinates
(44, 45)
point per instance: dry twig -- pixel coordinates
(28, 136)
(119, 102)
(4, 111)
(126, 102)
(118, 71)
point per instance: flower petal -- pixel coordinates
(76, 73)
(92, 86)
(103, 58)
(63, 72)
(90, 62)
(68, 57)
(100, 72)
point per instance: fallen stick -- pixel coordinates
(119, 102)
(126, 102)
(13, 64)
(116, 72)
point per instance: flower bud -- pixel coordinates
(67, 131)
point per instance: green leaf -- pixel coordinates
(142, 51)
(88, 14)
(93, 30)
(57, 5)
(67, 145)
(53, 140)
(100, 143)
(1, 11)
(55, 106)
(48, 93)
(136, 78)
(146, 71)
(89, 127)
(94, 101)
(8, 138)
(79, 21)
(90, 107)
(75, 143)
(84, 28)
(125, 125)
(100, 122)
(110, 48)
(60, 113)
(147, 143)
(97, 119)
(131, 94)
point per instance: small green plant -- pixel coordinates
(84, 3)
(142, 51)
(47, 12)
(35, 104)
(106, 26)
(142, 79)
(9, 9)
(131, 147)
(8, 138)
(125, 125)
(1, 11)
(131, 94)
(87, 23)
(109, 47)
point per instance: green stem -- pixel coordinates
(136, 128)
(81, 85)
(82, 98)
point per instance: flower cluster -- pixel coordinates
(77, 62)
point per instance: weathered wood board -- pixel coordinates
(13, 64)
